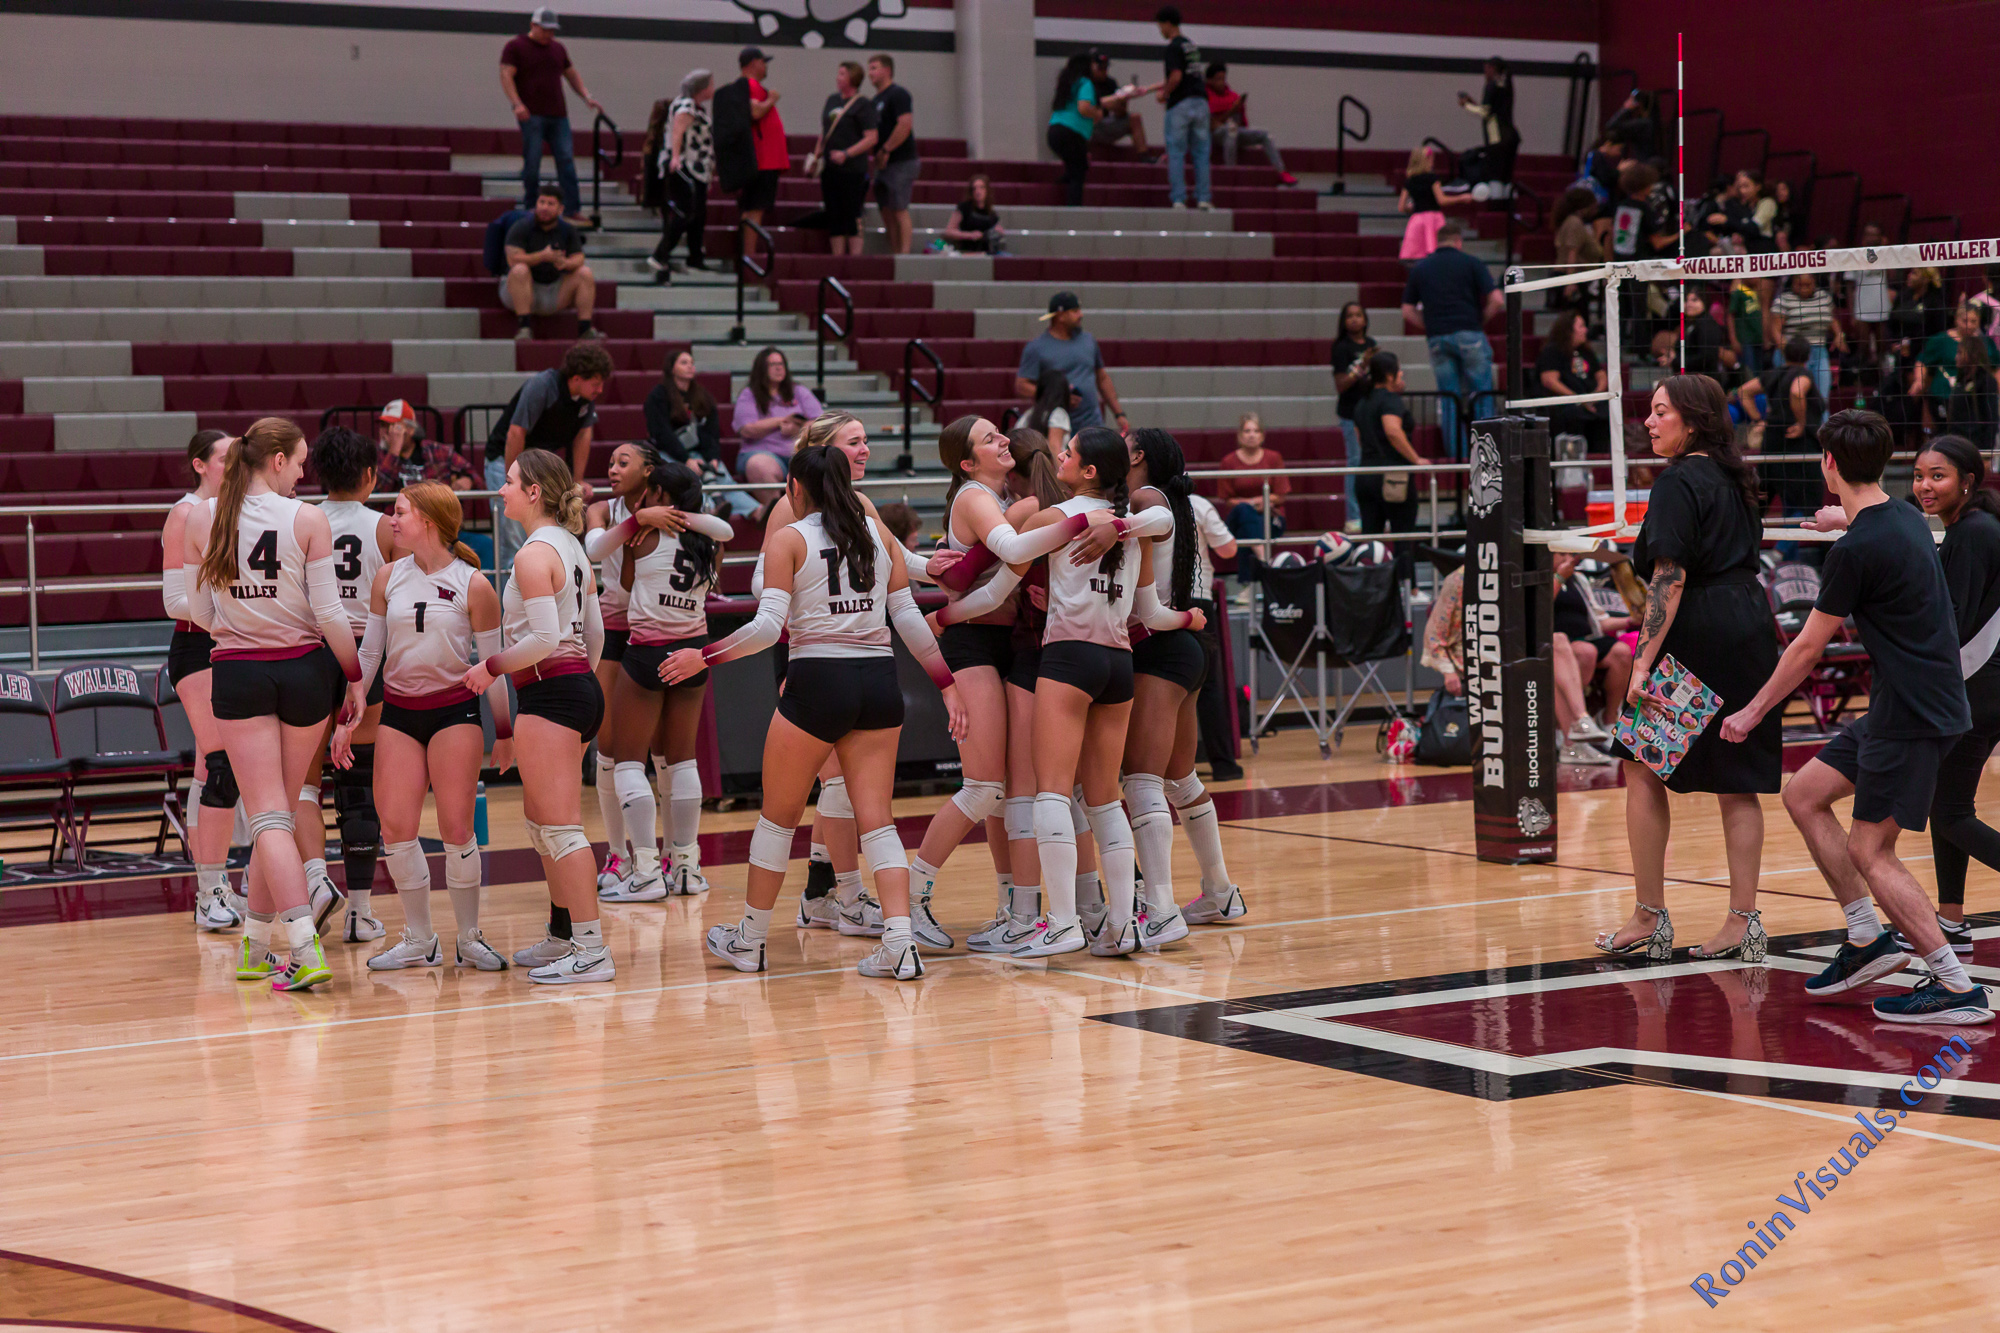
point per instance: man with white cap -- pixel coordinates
(533, 69)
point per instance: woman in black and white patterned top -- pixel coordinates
(687, 164)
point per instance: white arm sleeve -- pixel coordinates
(544, 633)
(1017, 549)
(710, 525)
(593, 632)
(917, 564)
(486, 642)
(604, 541)
(1155, 522)
(916, 635)
(201, 603)
(374, 642)
(1155, 614)
(174, 592)
(757, 577)
(990, 596)
(323, 594)
(774, 607)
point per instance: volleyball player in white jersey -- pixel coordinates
(555, 636)
(265, 588)
(672, 562)
(1083, 697)
(344, 462)
(216, 905)
(832, 584)
(430, 615)
(629, 475)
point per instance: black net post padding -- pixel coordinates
(1509, 613)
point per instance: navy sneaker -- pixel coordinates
(1857, 965)
(1958, 934)
(1933, 1003)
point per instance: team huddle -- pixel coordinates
(308, 634)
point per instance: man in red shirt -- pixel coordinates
(532, 72)
(767, 133)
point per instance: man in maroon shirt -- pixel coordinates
(532, 71)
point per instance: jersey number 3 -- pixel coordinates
(348, 567)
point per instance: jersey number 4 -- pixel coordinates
(263, 555)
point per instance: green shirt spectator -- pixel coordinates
(1942, 373)
(1072, 119)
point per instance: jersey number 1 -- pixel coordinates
(832, 558)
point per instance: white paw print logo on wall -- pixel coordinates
(812, 23)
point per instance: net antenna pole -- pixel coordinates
(1680, 193)
(1614, 380)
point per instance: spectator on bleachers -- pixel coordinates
(1050, 414)
(686, 165)
(848, 135)
(1806, 311)
(684, 425)
(404, 456)
(903, 523)
(1781, 219)
(896, 161)
(1449, 298)
(1351, 351)
(1119, 121)
(1567, 367)
(1595, 645)
(1920, 311)
(1745, 215)
(1444, 632)
(770, 412)
(1579, 235)
(1795, 406)
(1067, 346)
(1075, 112)
(975, 227)
(1186, 100)
(1955, 378)
(545, 269)
(1422, 196)
(1707, 341)
(1633, 128)
(1241, 503)
(556, 410)
(1642, 222)
(1869, 302)
(750, 151)
(1499, 140)
(1388, 500)
(1987, 298)
(532, 71)
(1229, 122)
(1746, 325)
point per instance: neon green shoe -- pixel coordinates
(254, 962)
(306, 969)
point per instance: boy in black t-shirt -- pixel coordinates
(1885, 573)
(1186, 98)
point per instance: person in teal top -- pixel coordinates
(1955, 377)
(1075, 110)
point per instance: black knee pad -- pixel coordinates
(354, 801)
(218, 791)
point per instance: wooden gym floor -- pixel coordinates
(1426, 1104)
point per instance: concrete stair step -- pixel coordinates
(353, 262)
(758, 330)
(292, 233)
(693, 299)
(123, 431)
(1099, 244)
(1042, 217)
(263, 324)
(17, 293)
(446, 356)
(94, 393)
(1110, 296)
(23, 359)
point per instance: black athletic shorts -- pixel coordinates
(1105, 674)
(966, 646)
(1175, 655)
(375, 695)
(298, 691)
(1894, 777)
(187, 653)
(827, 697)
(614, 645)
(760, 193)
(1026, 668)
(421, 724)
(642, 664)
(574, 700)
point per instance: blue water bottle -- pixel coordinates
(479, 815)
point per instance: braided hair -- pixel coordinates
(681, 486)
(1104, 449)
(1166, 472)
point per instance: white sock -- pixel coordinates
(1152, 836)
(1113, 831)
(639, 809)
(461, 877)
(1006, 890)
(257, 926)
(923, 879)
(847, 886)
(1024, 901)
(358, 901)
(410, 870)
(316, 871)
(212, 879)
(607, 805)
(896, 933)
(1944, 963)
(1055, 839)
(587, 934)
(756, 922)
(683, 790)
(1204, 834)
(298, 929)
(1862, 923)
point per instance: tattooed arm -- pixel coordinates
(1663, 601)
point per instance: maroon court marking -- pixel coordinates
(158, 1289)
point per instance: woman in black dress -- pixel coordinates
(1698, 549)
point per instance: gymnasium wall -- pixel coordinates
(1903, 94)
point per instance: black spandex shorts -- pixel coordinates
(574, 701)
(614, 645)
(1105, 674)
(298, 691)
(642, 664)
(187, 653)
(421, 724)
(828, 697)
(375, 695)
(1894, 777)
(967, 646)
(1175, 655)
(1027, 667)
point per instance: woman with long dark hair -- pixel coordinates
(1704, 606)
(1352, 347)
(265, 588)
(771, 413)
(1073, 118)
(1388, 500)
(630, 472)
(831, 584)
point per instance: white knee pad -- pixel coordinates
(309, 795)
(770, 846)
(1052, 818)
(976, 800)
(1079, 820)
(264, 821)
(1111, 828)
(884, 849)
(565, 840)
(1186, 791)
(409, 868)
(537, 837)
(461, 865)
(1146, 794)
(833, 802)
(1020, 816)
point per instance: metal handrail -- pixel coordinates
(1343, 134)
(602, 163)
(823, 324)
(746, 265)
(1576, 106)
(1901, 234)
(911, 392)
(458, 420)
(1802, 190)
(1448, 164)
(1521, 192)
(1952, 218)
(1853, 226)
